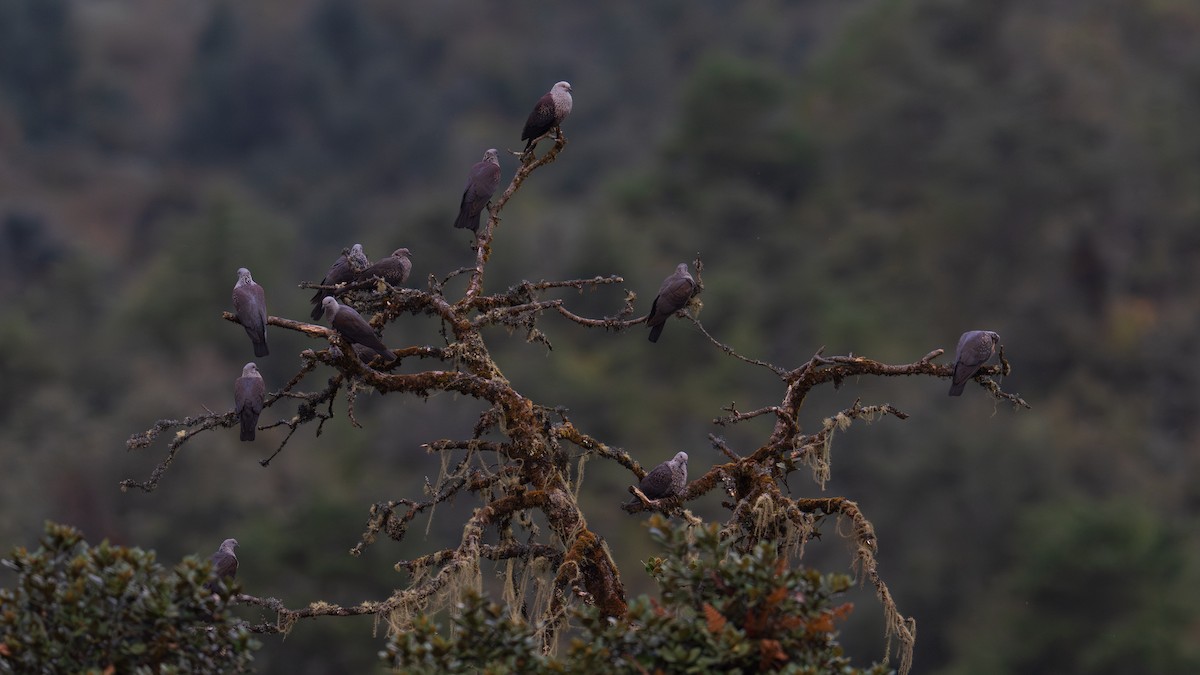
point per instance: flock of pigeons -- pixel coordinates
(250, 305)
(667, 479)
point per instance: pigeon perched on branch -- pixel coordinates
(248, 393)
(350, 324)
(481, 185)
(549, 112)
(224, 564)
(344, 269)
(672, 296)
(393, 269)
(665, 480)
(975, 348)
(250, 305)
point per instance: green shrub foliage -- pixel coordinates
(718, 611)
(77, 608)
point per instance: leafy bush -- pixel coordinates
(720, 610)
(78, 608)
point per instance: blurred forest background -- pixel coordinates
(872, 176)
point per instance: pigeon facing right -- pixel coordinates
(665, 480)
(224, 564)
(393, 269)
(975, 348)
(672, 296)
(548, 113)
(344, 269)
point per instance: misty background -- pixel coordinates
(868, 176)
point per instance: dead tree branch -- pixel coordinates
(525, 472)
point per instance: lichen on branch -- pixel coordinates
(514, 464)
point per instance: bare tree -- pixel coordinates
(517, 457)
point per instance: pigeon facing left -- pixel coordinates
(350, 324)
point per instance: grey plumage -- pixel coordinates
(248, 393)
(393, 269)
(350, 324)
(344, 269)
(549, 112)
(224, 564)
(250, 305)
(358, 259)
(672, 296)
(665, 480)
(975, 348)
(364, 354)
(481, 186)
